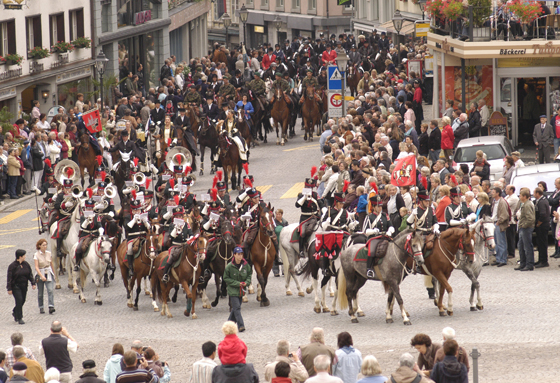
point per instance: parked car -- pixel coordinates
(529, 176)
(496, 148)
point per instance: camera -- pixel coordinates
(290, 355)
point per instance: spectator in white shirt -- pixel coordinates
(17, 340)
(43, 124)
(202, 369)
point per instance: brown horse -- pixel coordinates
(230, 160)
(143, 266)
(186, 274)
(86, 159)
(281, 114)
(263, 252)
(310, 112)
(354, 77)
(244, 129)
(193, 113)
(443, 261)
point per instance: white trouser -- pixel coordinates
(109, 159)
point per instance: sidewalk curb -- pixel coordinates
(16, 202)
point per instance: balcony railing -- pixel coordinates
(176, 3)
(479, 24)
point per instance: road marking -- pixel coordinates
(306, 147)
(35, 219)
(19, 230)
(264, 188)
(2, 247)
(293, 191)
(16, 214)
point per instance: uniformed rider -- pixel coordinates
(64, 206)
(457, 213)
(377, 223)
(90, 223)
(179, 233)
(310, 212)
(249, 201)
(136, 228)
(424, 215)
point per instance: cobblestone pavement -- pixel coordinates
(516, 333)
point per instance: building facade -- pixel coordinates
(188, 31)
(53, 80)
(378, 14)
(134, 36)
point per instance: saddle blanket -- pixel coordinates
(137, 254)
(295, 236)
(375, 247)
(328, 244)
(242, 148)
(165, 261)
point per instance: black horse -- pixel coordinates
(208, 138)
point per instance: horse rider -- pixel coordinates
(187, 199)
(457, 213)
(258, 87)
(223, 196)
(375, 224)
(192, 96)
(249, 201)
(90, 223)
(168, 187)
(305, 67)
(184, 123)
(179, 233)
(366, 52)
(125, 145)
(287, 49)
(210, 109)
(334, 218)
(237, 81)
(309, 81)
(64, 206)
(148, 207)
(209, 226)
(108, 203)
(49, 188)
(227, 91)
(283, 84)
(136, 228)
(424, 216)
(230, 128)
(270, 72)
(310, 206)
(355, 57)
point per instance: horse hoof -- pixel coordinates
(174, 299)
(70, 286)
(187, 313)
(129, 305)
(309, 290)
(334, 313)
(407, 323)
(355, 320)
(282, 144)
(442, 314)
(326, 310)
(474, 309)
(147, 293)
(251, 290)
(390, 320)
(99, 303)
(169, 316)
(317, 310)
(265, 303)
(289, 293)
(301, 294)
(480, 307)
(258, 299)
(194, 316)
(214, 304)
(361, 314)
(450, 313)
(57, 287)
(76, 291)
(106, 284)
(84, 300)
(135, 308)
(311, 139)
(156, 309)
(331, 294)
(201, 173)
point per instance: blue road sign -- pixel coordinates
(335, 78)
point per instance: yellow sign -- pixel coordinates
(346, 98)
(259, 29)
(528, 61)
(422, 29)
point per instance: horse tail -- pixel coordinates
(386, 287)
(157, 287)
(342, 298)
(307, 269)
(284, 256)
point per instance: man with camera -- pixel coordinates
(131, 373)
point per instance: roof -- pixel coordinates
(535, 169)
(482, 140)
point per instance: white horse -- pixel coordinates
(289, 252)
(269, 91)
(71, 239)
(95, 262)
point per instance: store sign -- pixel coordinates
(12, 73)
(75, 74)
(14, 4)
(7, 93)
(513, 51)
(497, 125)
(259, 29)
(422, 28)
(142, 17)
(529, 61)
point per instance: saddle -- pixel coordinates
(86, 243)
(377, 247)
(136, 247)
(429, 242)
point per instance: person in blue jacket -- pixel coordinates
(249, 110)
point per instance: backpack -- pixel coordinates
(169, 108)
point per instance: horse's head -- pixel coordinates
(152, 244)
(105, 246)
(226, 230)
(266, 219)
(487, 228)
(278, 93)
(240, 114)
(466, 244)
(201, 245)
(417, 244)
(351, 69)
(310, 92)
(84, 142)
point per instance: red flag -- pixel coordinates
(405, 172)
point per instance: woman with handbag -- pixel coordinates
(45, 275)
(19, 273)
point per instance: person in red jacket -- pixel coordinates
(328, 56)
(231, 350)
(268, 59)
(447, 139)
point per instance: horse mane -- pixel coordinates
(449, 232)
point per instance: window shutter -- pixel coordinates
(60, 27)
(37, 35)
(80, 22)
(11, 37)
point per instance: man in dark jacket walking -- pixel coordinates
(475, 123)
(450, 370)
(542, 224)
(237, 277)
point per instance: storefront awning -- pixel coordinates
(407, 27)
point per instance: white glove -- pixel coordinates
(37, 191)
(455, 222)
(246, 216)
(369, 232)
(137, 218)
(175, 141)
(471, 217)
(101, 231)
(436, 229)
(375, 231)
(174, 232)
(154, 169)
(390, 231)
(127, 191)
(111, 214)
(69, 204)
(167, 216)
(131, 223)
(463, 221)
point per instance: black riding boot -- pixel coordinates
(206, 273)
(247, 251)
(327, 267)
(370, 272)
(130, 259)
(301, 246)
(59, 247)
(166, 271)
(78, 258)
(431, 293)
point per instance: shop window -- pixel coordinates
(127, 11)
(34, 35)
(76, 23)
(7, 37)
(57, 28)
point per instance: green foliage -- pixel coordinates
(6, 120)
(482, 9)
(82, 42)
(39, 53)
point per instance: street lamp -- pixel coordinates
(244, 15)
(398, 20)
(422, 4)
(341, 62)
(278, 24)
(100, 65)
(226, 19)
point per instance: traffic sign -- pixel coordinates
(346, 98)
(335, 78)
(335, 104)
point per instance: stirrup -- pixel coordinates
(76, 268)
(165, 278)
(370, 274)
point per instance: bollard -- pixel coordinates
(475, 355)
